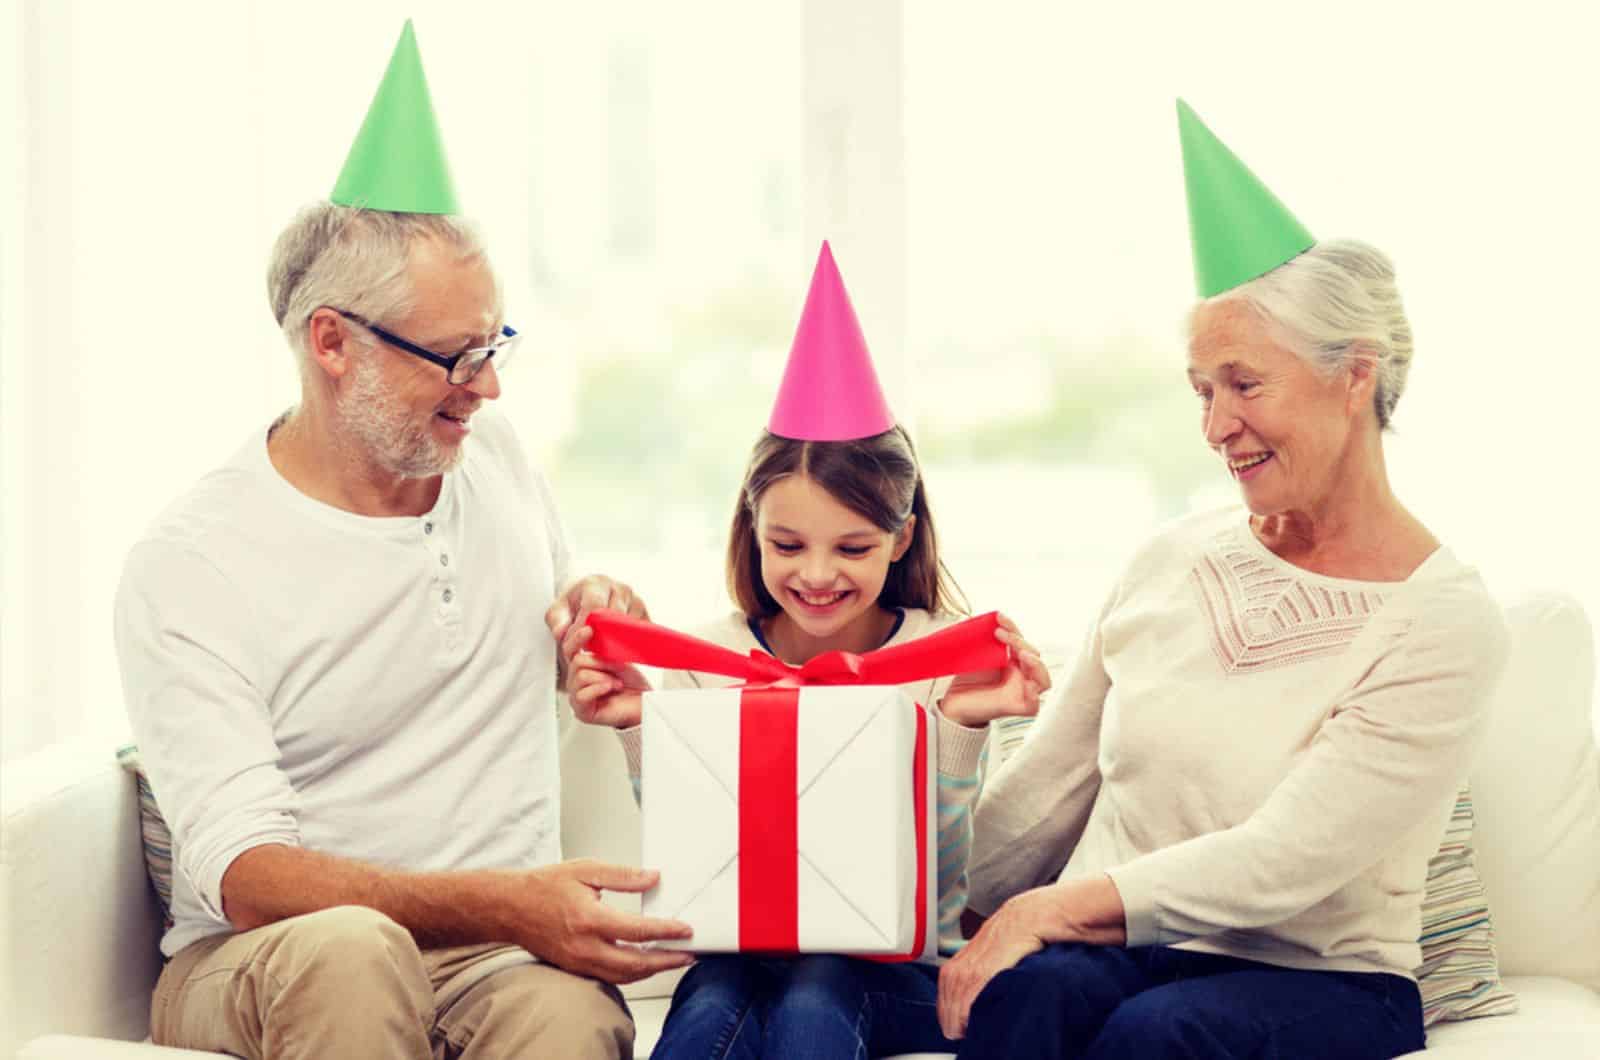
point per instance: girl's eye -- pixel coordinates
(855, 551)
(787, 548)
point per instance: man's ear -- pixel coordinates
(902, 541)
(329, 343)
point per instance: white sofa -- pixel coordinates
(78, 951)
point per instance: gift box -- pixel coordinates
(795, 813)
(792, 820)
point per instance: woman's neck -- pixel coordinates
(1380, 542)
(1356, 529)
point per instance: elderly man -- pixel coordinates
(336, 662)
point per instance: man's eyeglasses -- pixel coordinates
(460, 367)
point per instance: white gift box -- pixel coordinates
(854, 819)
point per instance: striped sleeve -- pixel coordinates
(961, 754)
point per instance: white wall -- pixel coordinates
(979, 173)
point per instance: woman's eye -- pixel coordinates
(1244, 386)
(788, 548)
(1204, 396)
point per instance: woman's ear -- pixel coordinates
(902, 541)
(1362, 383)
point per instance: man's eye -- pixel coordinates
(1203, 395)
(1244, 386)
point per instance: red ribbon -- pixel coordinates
(769, 873)
(965, 647)
(769, 825)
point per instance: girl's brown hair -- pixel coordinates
(878, 479)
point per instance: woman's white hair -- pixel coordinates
(1336, 304)
(353, 259)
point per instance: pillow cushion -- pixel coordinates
(153, 830)
(1460, 973)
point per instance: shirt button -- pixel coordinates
(444, 559)
(448, 596)
(427, 528)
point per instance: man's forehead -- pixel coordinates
(455, 296)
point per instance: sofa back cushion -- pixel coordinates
(78, 930)
(1537, 784)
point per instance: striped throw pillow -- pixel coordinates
(1460, 973)
(1459, 977)
(153, 830)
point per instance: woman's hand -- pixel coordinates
(976, 699)
(601, 692)
(1087, 910)
(1014, 932)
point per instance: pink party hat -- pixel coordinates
(830, 392)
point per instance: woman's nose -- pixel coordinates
(1220, 423)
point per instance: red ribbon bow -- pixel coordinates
(965, 647)
(768, 738)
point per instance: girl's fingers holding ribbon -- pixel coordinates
(1034, 669)
(577, 637)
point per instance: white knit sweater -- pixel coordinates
(1262, 759)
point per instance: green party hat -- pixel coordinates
(397, 162)
(1237, 228)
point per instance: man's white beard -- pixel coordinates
(385, 432)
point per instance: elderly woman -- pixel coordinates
(1214, 843)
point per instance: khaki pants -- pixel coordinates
(350, 983)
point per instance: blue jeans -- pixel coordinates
(1102, 1003)
(819, 1005)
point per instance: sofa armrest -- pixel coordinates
(79, 935)
(71, 1047)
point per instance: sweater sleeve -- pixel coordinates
(632, 740)
(187, 652)
(961, 752)
(1032, 814)
(1395, 748)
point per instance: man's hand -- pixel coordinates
(573, 604)
(556, 914)
(976, 699)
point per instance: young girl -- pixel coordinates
(832, 548)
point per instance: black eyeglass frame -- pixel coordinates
(508, 336)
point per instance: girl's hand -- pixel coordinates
(976, 699)
(604, 693)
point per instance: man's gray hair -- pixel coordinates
(353, 259)
(1335, 304)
